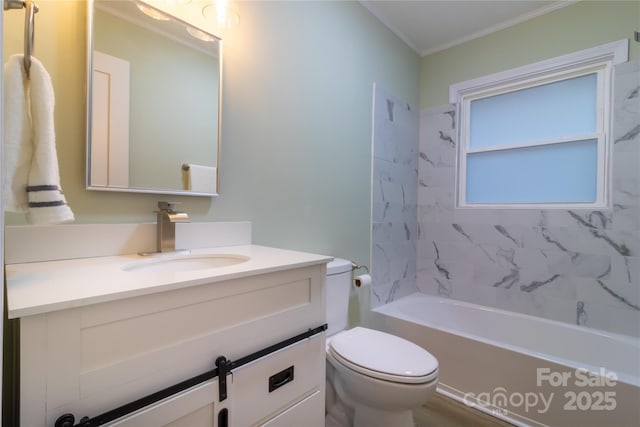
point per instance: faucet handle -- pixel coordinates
(167, 206)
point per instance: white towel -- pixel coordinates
(17, 137)
(32, 179)
(198, 178)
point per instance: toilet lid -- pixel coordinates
(383, 356)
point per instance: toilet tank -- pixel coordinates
(338, 291)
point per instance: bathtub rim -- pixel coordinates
(621, 376)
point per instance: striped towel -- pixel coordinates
(32, 179)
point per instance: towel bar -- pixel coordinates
(29, 27)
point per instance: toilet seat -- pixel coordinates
(383, 356)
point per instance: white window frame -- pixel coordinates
(597, 60)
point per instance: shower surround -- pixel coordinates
(575, 266)
(394, 220)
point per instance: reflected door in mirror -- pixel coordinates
(110, 122)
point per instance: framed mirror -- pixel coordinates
(153, 99)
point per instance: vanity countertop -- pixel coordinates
(41, 287)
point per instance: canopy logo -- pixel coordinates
(586, 398)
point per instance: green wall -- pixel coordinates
(296, 120)
(569, 29)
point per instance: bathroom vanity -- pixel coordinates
(99, 333)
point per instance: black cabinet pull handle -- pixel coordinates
(223, 418)
(281, 378)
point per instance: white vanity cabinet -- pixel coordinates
(90, 359)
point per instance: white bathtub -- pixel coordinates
(527, 370)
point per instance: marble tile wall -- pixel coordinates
(394, 224)
(575, 266)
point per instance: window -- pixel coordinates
(537, 136)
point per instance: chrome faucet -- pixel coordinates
(167, 219)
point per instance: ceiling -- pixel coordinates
(429, 26)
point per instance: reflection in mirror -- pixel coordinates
(153, 102)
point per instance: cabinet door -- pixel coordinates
(278, 382)
(195, 407)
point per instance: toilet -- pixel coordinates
(373, 378)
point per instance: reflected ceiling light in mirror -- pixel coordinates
(222, 13)
(154, 13)
(200, 35)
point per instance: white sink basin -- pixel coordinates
(185, 263)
